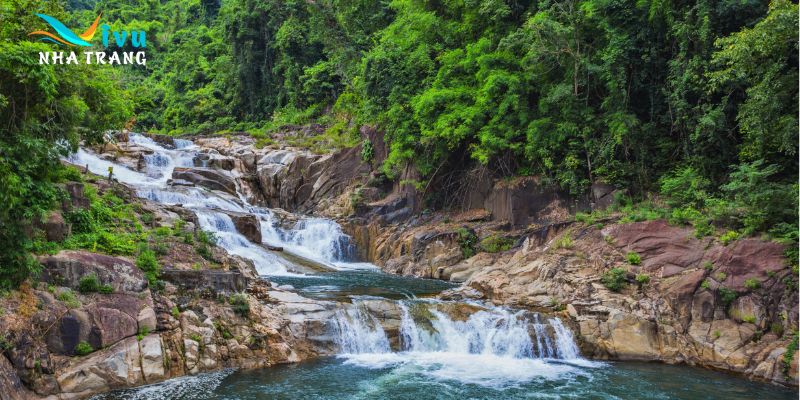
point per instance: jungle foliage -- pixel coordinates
(697, 100)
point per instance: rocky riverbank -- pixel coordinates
(629, 291)
(92, 322)
(731, 306)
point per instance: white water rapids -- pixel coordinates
(318, 239)
(489, 347)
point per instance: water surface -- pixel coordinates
(340, 378)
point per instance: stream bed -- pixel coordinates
(428, 349)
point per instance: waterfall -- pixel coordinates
(316, 238)
(231, 240)
(359, 332)
(493, 331)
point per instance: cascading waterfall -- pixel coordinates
(490, 347)
(314, 238)
(494, 331)
(359, 332)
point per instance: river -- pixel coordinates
(439, 349)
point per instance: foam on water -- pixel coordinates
(228, 238)
(492, 347)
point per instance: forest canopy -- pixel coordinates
(695, 100)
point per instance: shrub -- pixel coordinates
(196, 337)
(88, 283)
(367, 151)
(708, 265)
(705, 285)
(776, 328)
(726, 295)
(68, 298)
(240, 304)
(643, 279)
(788, 356)
(81, 221)
(147, 262)
(467, 241)
(752, 283)
(720, 276)
(728, 237)
(496, 244)
(106, 289)
(563, 242)
(685, 187)
(751, 319)
(207, 238)
(144, 331)
(176, 313)
(760, 202)
(83, 348)
(614, 279)
(633, 258)
(717, 334)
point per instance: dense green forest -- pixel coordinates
(695, 100)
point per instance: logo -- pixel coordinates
(65, 37)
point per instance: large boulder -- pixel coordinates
(107, 320)
(248, 225)
(67, 268)
(118, 366)
(209, 178)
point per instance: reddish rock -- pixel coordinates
(748, 259)
(665, 250)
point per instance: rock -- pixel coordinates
(146, 320)
(248, 225)
(68, 267)
(216, 281)
(55, 228)
(152, 359)
(10, 386)
(207, 177)
(115, 367)
(73, 327)
(77, 197)
(109, 326)
(191, 355)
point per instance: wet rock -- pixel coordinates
(248, 225)
(68, 267)
(206, 177)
